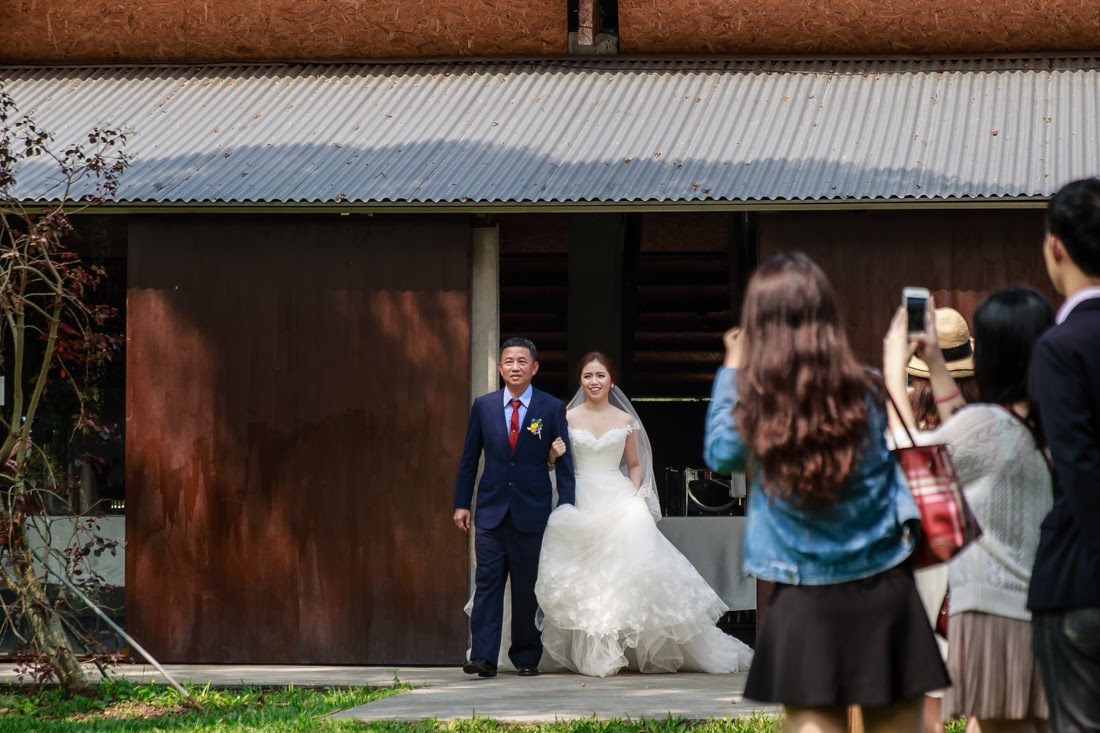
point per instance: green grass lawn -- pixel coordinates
(122, 707)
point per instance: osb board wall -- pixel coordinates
(89, 31)
(857, 26)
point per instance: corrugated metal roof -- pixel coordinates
(564, 131)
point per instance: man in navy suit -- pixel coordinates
(514, 427)
(1064, 596)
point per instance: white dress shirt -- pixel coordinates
(525, 401)
(1079, 297)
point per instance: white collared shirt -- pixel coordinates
(525, 400)
(1079, 297)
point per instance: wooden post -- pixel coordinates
(587, 15)
(595, 287)
(742, 256)
(855, 719)
(631, 261)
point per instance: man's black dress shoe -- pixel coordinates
(527, 670)
(480, 667)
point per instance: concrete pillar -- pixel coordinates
(484, 310)
(484, 330)
(595, 287)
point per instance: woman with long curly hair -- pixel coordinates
(830, 519)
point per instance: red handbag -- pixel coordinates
(946, 521)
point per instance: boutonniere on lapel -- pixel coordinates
(535, 428)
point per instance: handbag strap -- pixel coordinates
(901, 418)
(1042, 451)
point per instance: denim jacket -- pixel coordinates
(871, 528)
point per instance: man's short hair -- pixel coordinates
(519, 341)
(1073, 216)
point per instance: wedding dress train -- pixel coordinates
(613, 592)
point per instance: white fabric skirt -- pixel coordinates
(614, 593)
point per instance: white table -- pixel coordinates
(62, 532)
(714, 546)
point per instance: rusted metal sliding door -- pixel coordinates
(297, 392)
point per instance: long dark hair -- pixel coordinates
(923, 401)
(801, 393)
(1007, 325)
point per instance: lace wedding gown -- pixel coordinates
(612, 591)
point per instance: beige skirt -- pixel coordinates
(993, 672)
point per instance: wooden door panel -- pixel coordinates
(961, 256)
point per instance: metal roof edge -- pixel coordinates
(581, 61)
(276, 207)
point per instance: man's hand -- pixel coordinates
(462, 519)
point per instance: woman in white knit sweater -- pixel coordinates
(998, 452)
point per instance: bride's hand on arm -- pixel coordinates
(633, 462)
(557, 450)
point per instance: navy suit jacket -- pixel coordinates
(518, 481)
(1066, 379)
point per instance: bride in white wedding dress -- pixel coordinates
(613, 592)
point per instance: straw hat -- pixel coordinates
(955, 343)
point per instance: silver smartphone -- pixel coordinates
(915, 301)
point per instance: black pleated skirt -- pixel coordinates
(866, 642)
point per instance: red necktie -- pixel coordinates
(513, 429)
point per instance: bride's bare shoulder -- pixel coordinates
(577, 416)
(622, 417)
(600, 421)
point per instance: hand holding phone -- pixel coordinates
(915, 302)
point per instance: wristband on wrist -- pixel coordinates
(947, 398)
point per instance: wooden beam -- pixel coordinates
(587, 18)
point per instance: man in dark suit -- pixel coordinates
(514, 427)
(1064, 596)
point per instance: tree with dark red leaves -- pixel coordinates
(51, 338)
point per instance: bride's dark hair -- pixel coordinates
(801, 392)
(601, 357)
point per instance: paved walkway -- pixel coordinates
(445, 693)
